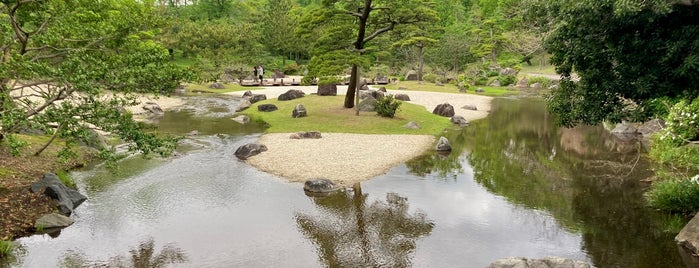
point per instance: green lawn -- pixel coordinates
(205, 88)
(326, 114)
(449, 88)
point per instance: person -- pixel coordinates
(261, 72)
(254, 74)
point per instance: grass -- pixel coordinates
(674, 196)
(6, 247)
(66, 179)
(326, 114)
(449, 88)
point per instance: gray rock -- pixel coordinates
(443, 145)
(469, 107)
(320, 185)
(479, 90)
(535, 85)
(257, 97)
(382, 89)
(367, 105)
(52, 221)
(242, 119)
(68, 199)
(306, 135)
(267, 108)
(411, 76)
(291, 94)
(153, 108)
(327, 90)
(299, 111)
(403, 97)
(248, 150)
(439, 84)
(363, 85)
(444, 109)
(247, 94)
(244, 104)
(411, 125)
(547, 262)
(522, 83)
(377, 94)
(495, 83)
(364, 94)
(650, 127)
(216, 85)
(625, 128)
(459, 120)
(508, 71)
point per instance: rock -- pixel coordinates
(363, 94)
(267, 107)
(382, 89)
(242, 119)
(320, 185)
(411, 125)
(547, 262)
(470, 107)
(535, 85)
(508, 71)
(248, 150)
(216, 85)
(495, 83)
(291, 94)
(244, 104)
(443, 145)
(479, 90)
(193, 133)
(247, 94)
(306, 135)
(522, 83)
(444, 109)
(363, 85)
(52, 221)
(367, 105)
(411, 76)
(68, 199)
(439, 84)
(257, 97)
(153, 108)
(459, 120)
(625, 128)
(377, 94)
(403, 97)
(650, 127)
(327, 90)
(688, 237)
(299, 111)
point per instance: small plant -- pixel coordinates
(675, 195)
(387, 106)
(6, 247)
(66, 179)
(506, 80)
(682, 124)
(16, 145)
(545, 82)
(430, 78)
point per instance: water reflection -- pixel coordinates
(588, 179)
(144, 256)
(351, 233)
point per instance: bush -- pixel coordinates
(291, 69)
(675, 196)
(6, 247)
(506, 80)
(545, 82)
(387, 106)
(682, 123)
(430, 78)
(480, 81)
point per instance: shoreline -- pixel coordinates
(351, 158)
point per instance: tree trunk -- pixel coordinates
(361, 224)
(420, 61)
(357, 92)
(493, 55)
(349, 97)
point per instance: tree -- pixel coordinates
(362, 21)
(418, 36)
(278, 27)
(626, 53)
(61, 57)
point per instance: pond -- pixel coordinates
(516, 185)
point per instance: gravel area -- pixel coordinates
(350, 158)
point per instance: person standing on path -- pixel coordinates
(254, 74)
(261, 72)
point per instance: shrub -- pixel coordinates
(387, 106)
(675, 196)
(506, 80)
(291, 69)
(6, 247)
(66, 179)
(682, 123)
(545, 82)
(16, 145)
(480, 81)
(492, 73)
(430, 78)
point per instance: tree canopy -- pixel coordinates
(627, 55)
(69, 67)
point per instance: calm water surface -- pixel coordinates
(516, 185)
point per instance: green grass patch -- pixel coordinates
(66, 179)
(675, 196)
(449, 88)
(205, 88)
(6, 247)
(326, 114)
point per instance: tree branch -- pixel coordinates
(379, 31)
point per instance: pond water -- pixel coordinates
(516, 185)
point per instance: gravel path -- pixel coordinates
(350, 158)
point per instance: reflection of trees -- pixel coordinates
(351, 233)
(142, 257)
(585, 177)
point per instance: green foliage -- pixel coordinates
(387, 106)
(682, 123)
(506, 80)
(430, 78)
(291, 69)
(545, 82)
(66, 179)
(675, 195)
(6, 247)
(639, 53)
(16, 145)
